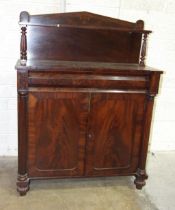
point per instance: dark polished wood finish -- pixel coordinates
(22, 83)
(85, 97)
(114, 133)
(61, 138)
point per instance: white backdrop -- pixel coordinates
(159, 16)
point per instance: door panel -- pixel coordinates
(114, 133)
(56, 135)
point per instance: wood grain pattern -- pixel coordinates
(57, 123)
(75, 44)
(115, 125)
(89, 81)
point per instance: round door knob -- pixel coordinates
(90, 135)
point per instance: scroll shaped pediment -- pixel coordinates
(79, 19)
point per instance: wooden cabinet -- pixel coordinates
(65, 127)
(82, 112)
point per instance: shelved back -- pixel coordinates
(82, 36)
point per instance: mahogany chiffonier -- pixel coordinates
(85, 97)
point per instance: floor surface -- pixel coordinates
(93, 194)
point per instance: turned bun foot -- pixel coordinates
(139, 184)
(141, 176)
(22, 184)
(22, 193)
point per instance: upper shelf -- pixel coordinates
(82, 36)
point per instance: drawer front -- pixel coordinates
(88, 81)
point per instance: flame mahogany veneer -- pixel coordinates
(85, 97)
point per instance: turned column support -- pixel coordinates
(23, 45)
(22, 179)
(22, 83)
(143, 50)
(141, 174)
(24, 19)
(148, 108)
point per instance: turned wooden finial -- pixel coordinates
(24, 17)
(143, 49)
(139, 24)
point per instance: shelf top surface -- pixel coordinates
(37, 65)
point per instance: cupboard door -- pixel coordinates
(114, 133)
(56, 134)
